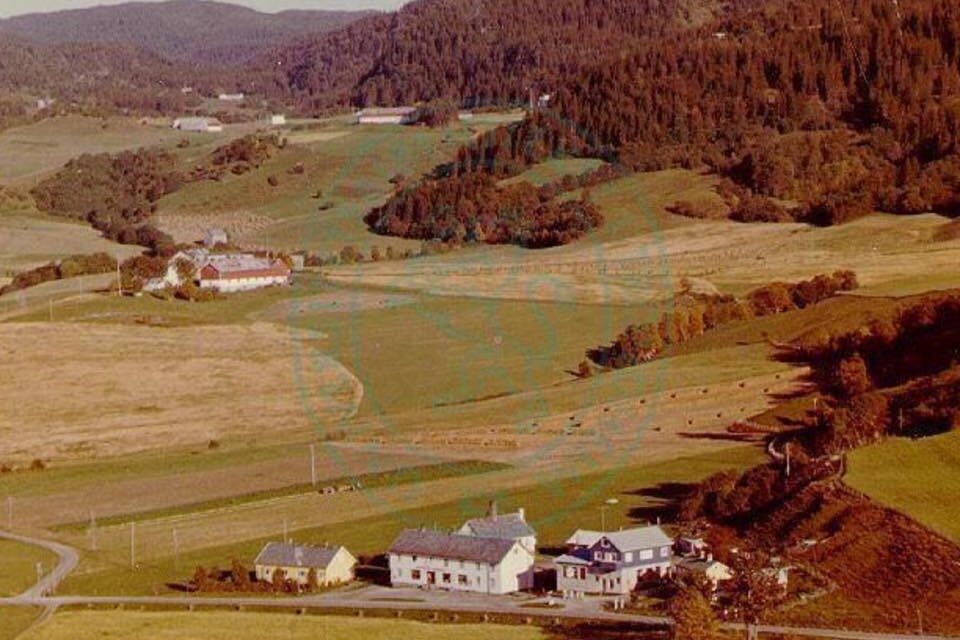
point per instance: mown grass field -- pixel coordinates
(920, 478)
(88, 625)
(18, 566)
(15, 620)
(555, 509)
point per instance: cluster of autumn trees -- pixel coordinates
(116, 194)
(239, 579)
(238, 156)
(897, 374)
(476, 208)
(69, 267)
(694, 314)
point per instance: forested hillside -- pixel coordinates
(845, 107)
(478, 53)
(198, 32)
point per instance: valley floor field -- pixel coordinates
(94, 390)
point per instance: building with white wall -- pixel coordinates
(455, 562)
(598, 562)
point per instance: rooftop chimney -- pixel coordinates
(522, 514)
(492, 509)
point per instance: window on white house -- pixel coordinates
(646, 554)
(446, 578)
(462, 580)
(415, 574)
(628, 557)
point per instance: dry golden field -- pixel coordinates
(86, 390)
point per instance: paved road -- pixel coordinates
(68, 559)
(37, 596)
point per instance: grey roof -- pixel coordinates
(509, 526)
(568, 559)
(280, 554)
(451, 546)
(626, 540)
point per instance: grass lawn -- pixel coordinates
(15, 620)
(554, 508)
(920, 478)
(87, 625)
(18, 566)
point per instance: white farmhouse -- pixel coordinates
(454, 562)
(278, 120)
(507, 526)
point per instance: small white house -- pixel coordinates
(454, 562)
(391, 115)
(231, 97)
(278, 120)
(332, 565)
(712, 570)
(198, 125)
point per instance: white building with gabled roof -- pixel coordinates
(454, 562)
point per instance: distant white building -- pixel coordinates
(712, 570)
(455, 562)
(213, 237)
(391, 115)
(198, 125)
(278, 120)
(231, 97)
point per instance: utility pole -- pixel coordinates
(786, 450)
(133, 545)
(93, 531)
(119, 281)
(176, 551)
(50, 302)
(313, 464)
(10, 513)
(285, 530)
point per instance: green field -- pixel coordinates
(350, 166)
(88, 625)
(920, 478)
(18, 566)
(442, 351)
(555, 509)
(551, 170)
(392, 478)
